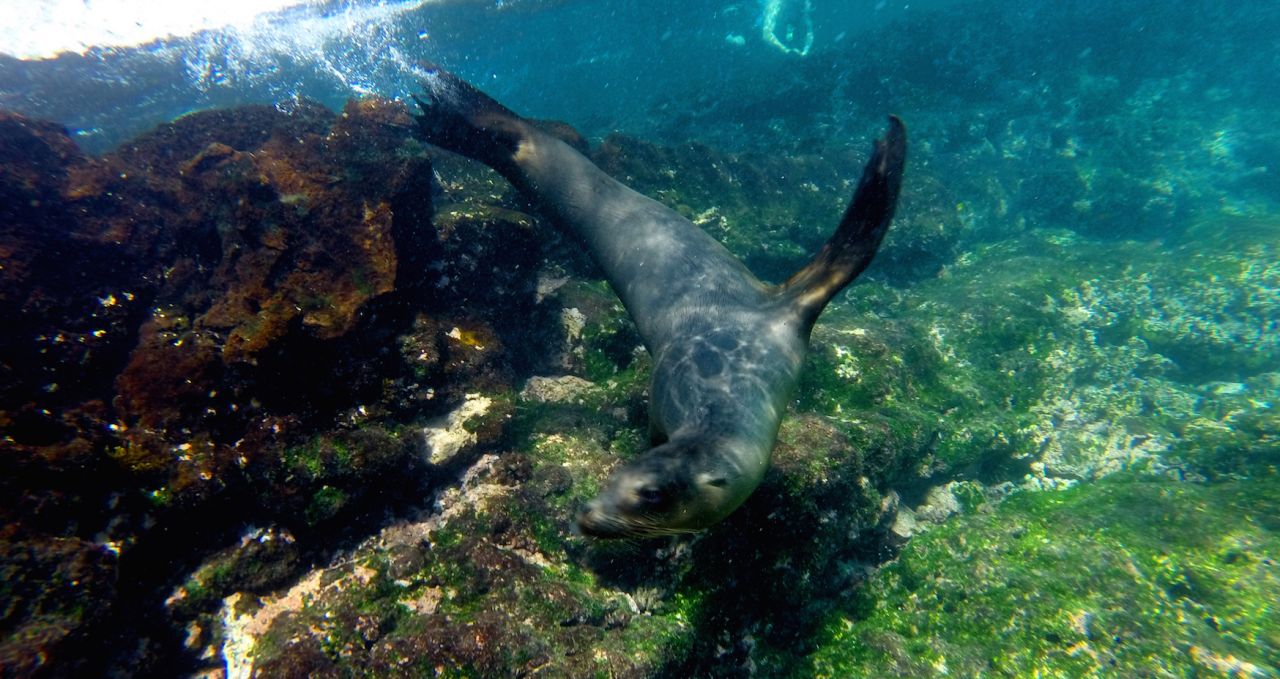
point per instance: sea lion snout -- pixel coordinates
(674, 488)
(594, 522)
(647, 496)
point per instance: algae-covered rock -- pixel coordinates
(201, 334)
(494, 580)
(263, 560)
(1066, 358)
(1116, 578)
(57, 594)
(487, 584)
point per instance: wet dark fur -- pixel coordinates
(727, 349)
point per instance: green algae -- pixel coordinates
(1089, 357)
(321, 457)
(262, 561)
(1117, 578)
(608, 345)
(500, 587)
(454, 611)
(325, 504)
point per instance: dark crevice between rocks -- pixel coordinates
(763, 605)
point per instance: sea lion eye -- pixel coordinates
(650, 494)
(718, 482)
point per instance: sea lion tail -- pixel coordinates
(855, 242)
(458, 117)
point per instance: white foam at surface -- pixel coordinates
(224, 43)
(351, 44)
(36, 29)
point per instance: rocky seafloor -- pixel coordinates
(284, 392)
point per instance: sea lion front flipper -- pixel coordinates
(855, 242)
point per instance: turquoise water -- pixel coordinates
(285, 390)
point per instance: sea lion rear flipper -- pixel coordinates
(460, 118)
(855, 242)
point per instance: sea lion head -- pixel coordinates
(677, 487)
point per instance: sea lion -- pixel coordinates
(727, 349)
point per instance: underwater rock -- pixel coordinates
(67, 289)
(263, 560)
(1161, 574)
(468, 588)
(1048, 356)
(284, 236)
(237, 279)
(940, 503)
(303, 246)
(449, 435)
(34, 157)
(496, 581)
(57, 594)
(927, 237)
(566, 388)
(455, 578)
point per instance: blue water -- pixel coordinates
(1161, 74)
(605, 65)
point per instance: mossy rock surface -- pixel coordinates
(1116, 578)
(1084, 356)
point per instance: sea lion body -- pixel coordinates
(727, 349)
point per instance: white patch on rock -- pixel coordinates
(1040, 478)
(240, 631)
(1078, 441)
(426, 602)
(1228, 665)
(447, 436)
(563, 389)
(938, 504)
(547, 285)
(573, 322)
(474, 491)
(237, 644)
(904, 524)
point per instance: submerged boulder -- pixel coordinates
(241, 309)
